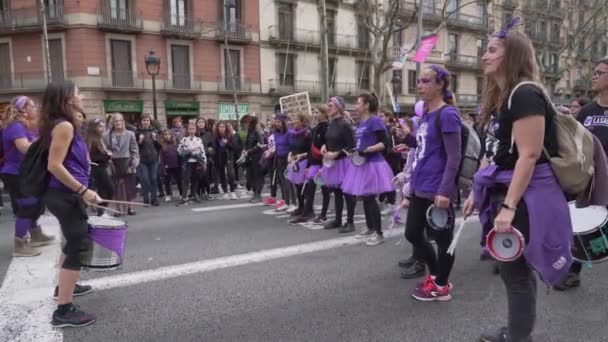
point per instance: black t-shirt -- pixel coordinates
(595, 118)
(339, 136)
(528, 100)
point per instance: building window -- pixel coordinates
(412, 81)
(178, 11)
(180, 66)
(331, 28)
(453, 46)
(398, 39)
(554, 62)
(481, 47)
(286, 69)
(507, 16)
(452, 7)
(232, 69)
(232, 11)
(362, 35)
(556, 33)
(286, 22)
(363, 75)
(6, 77)
(122, 70)
(397, 82)
(332, 72)
(454, 85)
(53, 9)
(56, 57)
(118, 9)
(542, 30)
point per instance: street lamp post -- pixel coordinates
(153, 67)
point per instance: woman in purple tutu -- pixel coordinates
(374, 176)
(339, 138)
(300, 140)
(433, 180)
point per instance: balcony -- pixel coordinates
(434, 13)
(180, 83)
(468, 21)
(313, 88)
(31, 81)
(311, 39)
(225, 85)
(180, 27)
(124, 80)
(234, 32)
(28, 19)
(113, 19)
(462, 62)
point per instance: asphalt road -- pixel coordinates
(335, 292)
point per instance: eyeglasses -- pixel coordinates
(598, 73)
(424, 80)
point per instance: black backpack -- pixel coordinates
(33, 172)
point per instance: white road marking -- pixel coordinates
(26, 294)
(227, 207)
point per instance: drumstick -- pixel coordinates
(452, 247)
(125, 202)
(104, 208)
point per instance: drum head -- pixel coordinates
(328, 162)
(439, 218)
(106, 222)
(357, 159)
(588, 218)
(505, 246)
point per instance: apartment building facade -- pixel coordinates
(101, 45)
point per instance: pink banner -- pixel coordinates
(426, 46)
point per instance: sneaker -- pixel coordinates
(407, 263)
(417, 270)
(347, 228)
(234, 196)
(38, 238)
(332, 225)
(74, 317)
(270, 201)
(364, 234)
(499, 335)
(292, 209)
(428, 279)
(255, 199)
(167, 198)
(388, 210)
(429, 292)
(195, 199)
(375, 239)
(155, 203)
(226, 196)
(23, 248)
(570, 281)
(79, 290)
(299, 219)
(320, 219)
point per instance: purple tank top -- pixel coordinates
(76, 162)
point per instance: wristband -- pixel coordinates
(84, 191)
(80, 188)
(507, 206)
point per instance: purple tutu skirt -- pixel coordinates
(371, 178)
(312, 172)
(298, 177)
(334, 176)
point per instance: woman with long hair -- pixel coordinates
(281, 145)
(576, 105)
(125, 160)
(393, 158)
(519, 189)
(253, 147)
(67, 193)
(100, 161)
(300, 141)
(170, 165)
(433, 180)
(373, 177)
(339, 140)
(21, 128)
(224, 154)
(148, 141)
(194, 162)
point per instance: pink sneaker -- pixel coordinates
(280, 205)
(270, 201)
(431, 293)
(429, 279)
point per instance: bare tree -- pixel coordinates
(383, 18)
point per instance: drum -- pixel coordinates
(439, 218)
(505, 247)
(357, 159)
(328, 162)
(590, 228)
(107, 244)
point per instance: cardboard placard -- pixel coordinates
(295, 103)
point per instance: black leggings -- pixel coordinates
(191, 178)
(309, 199)
(351, 202)
(174, 174)
(373, 218)
(255, 175)
(102, 183)
(226, 176)
(440, 264)
(69, 208)
(300, 188)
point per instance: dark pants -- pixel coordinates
(191, 178)
(351, 202)
(440, 264)
(300, 188)
(288, 191)
(27, 209)
(102, 183)
(309, 199)
(173, 174)
(519, 280)
(148, 176)
(69, 208)
(373, 218)
(226, 175)
(255, 176)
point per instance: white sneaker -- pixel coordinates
(388, 210)
(365, 234)
(167, 198)
(291, 209)
(226, 196)
(375, 239)
(233, 196)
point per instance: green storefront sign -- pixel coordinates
(173, 108)
(123, 106)
(226, 110)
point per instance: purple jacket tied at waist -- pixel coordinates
(548, 249)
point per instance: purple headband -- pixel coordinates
(337, 103)
(505, 31)
(21, 102)
(442, 76)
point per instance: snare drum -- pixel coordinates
(590, 228)
(505, 247)
(107, 244)
(357, 159)
(440, 218)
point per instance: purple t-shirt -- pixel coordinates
(430, 158)
(366, 136)
(76, 162)
(12, 156)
